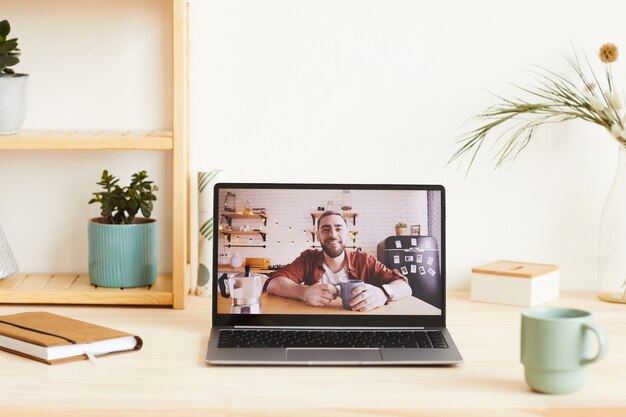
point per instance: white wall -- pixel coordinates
(314, 91)
(289, 221)
(377, 92)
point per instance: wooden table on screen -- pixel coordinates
(273, 304)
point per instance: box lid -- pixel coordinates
(515, 269)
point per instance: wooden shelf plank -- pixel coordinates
(256, 216)
(12, 281)
(162, 285)
(60, 282)
(244, 216)
(83, 284)
(237, 232)
(88, 140)
(75, 289)
(347, 214)
(34, 282)
(228, 234)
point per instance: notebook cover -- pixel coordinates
(47, 329)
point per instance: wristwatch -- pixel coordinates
(388, 292)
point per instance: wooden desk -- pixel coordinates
(169, 376)
(273, 304)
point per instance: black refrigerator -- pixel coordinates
(417, 258)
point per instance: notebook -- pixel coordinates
(53, 339)
(357, 275)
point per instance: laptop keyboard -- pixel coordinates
(240, 338)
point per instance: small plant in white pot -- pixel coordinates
(123, 248)
(12, 85)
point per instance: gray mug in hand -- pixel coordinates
(556, 347)
(345, 291)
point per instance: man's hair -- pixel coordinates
(330, 213)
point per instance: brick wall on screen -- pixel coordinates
(288, 213)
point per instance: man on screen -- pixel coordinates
(320, 271)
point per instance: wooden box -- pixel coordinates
(515, 283)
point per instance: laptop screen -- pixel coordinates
(328, 254)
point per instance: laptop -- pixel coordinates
(329, 274)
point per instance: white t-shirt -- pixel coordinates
(331, 277)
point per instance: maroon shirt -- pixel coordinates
(308, 268)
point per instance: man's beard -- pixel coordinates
(331, 252)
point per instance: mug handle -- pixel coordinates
(602, 343)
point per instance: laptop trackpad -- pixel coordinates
(332, 355)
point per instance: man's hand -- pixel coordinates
(318, 295)
(369, 297)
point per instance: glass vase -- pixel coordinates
(612, 245)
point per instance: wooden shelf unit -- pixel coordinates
(169, 290)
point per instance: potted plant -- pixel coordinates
(12, 85)
(400, 228)
(122, 247)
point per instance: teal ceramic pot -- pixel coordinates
(123, 255)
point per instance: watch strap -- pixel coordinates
(388, 293)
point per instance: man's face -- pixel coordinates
(333, 235)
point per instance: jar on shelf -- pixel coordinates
(236, 260)
(346, 200)
(247, 209)
(223, 259)
(229, 202)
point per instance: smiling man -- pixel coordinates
(320, 271)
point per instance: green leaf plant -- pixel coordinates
(9, 51)
(119, 205)
(553, 99)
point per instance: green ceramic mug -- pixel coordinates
(556, 347)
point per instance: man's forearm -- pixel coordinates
(285, 287)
